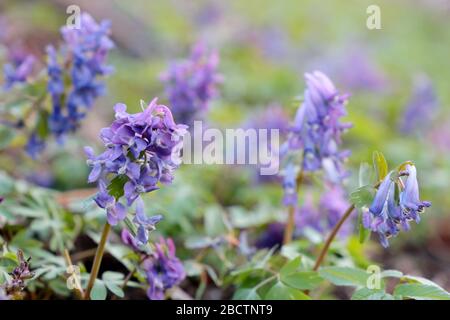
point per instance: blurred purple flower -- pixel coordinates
(142, 150)
(421, 107)
(271, 237)
(316, 134)
(82, 59)
(360, 73)
(191, 84)
(164, 270)
(19, 66)
(332, 205)
(128, 240)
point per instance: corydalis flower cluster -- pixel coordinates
(192, 83)
(316, 133)
(82, 59)
(19, 275)
(420, 109)
(163, 269)
(19, 67)
(392, 209)
(142, 150)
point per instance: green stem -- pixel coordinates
(97, 260)
(332, 236)
(290, 225)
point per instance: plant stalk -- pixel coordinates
(290, 225)
(331, 237)
(97, 260)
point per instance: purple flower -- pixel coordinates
(145, 224)
(19, 275)
(323, 217)
(115, 211)
(35, 145)
(410, 203)
(192, 83)
(317, 128)
(19, 68)
(421, 107)
(142, 150)
(272, 236)
(388, 212)
(333, 203)
(290, 173)
(82, 60)
(164, 270)
(128, 239)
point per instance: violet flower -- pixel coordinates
(421, 107)
(82, 60)
(163, 269)
(389, 212)
(19, 67)
(142, 150)
(317, 130)
(191, 84)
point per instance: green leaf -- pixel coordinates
(420, 291)
(371, 294)
(363, 233)
(380, 165)
(112, 276)
(363, 196)
(280, 291)
(114, 288)
(304, 280)
(115, 188)
(345, 276)
(6, 136)
(290, 266)
(365, 174)
(42, 128)
(246, 294)
(98, 291)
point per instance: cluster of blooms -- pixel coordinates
(19, 67)
(192, 83)
(392, 208)
(83, 57)
(142, 150)
(163, 269)
(316, 133)
(19, 275)
(332, 206)
(419, 110)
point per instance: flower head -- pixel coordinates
(421, 106)
(19, 275)
(192, 83)
(392, 209)
(164, 270)
(82, 59)
(316, 132)
(272, 236)
(142, 150)
(19, 67)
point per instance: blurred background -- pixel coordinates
(398, 78)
